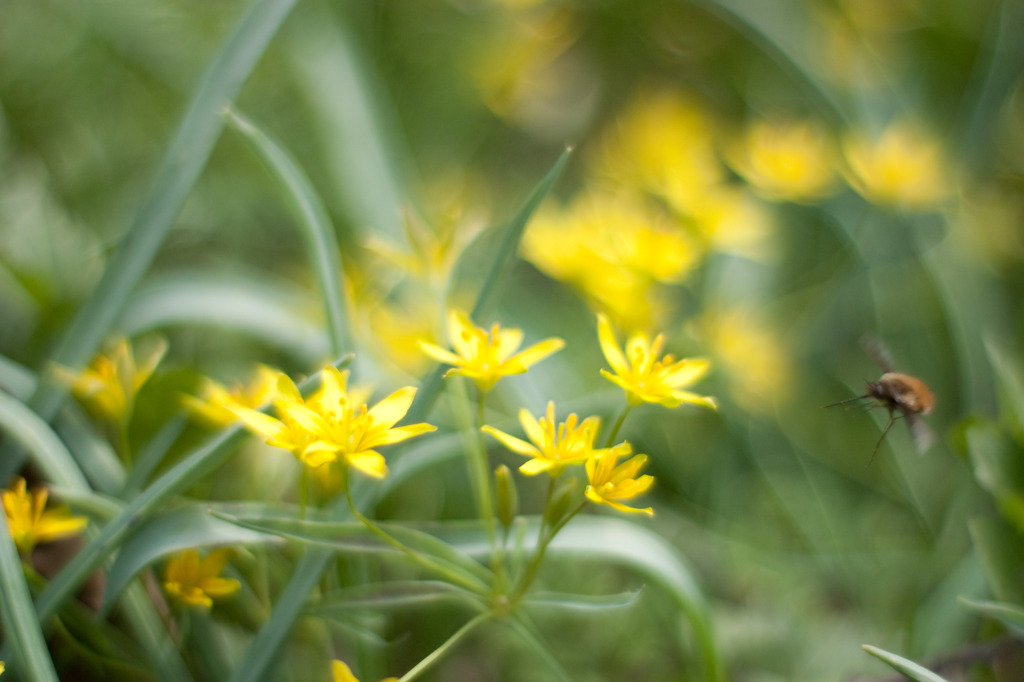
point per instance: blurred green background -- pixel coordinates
(422, 124)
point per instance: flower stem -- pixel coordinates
(618, 425)
(544, 539)
(440, 651)
(451, 576)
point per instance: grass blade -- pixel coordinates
(36, 437)
(321, 243)
(184, 161)
(19, 617)
(903, 665)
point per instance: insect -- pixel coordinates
(898, 393)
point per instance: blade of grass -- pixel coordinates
(36, 436)
(19, 618)
(202, 462)
(321, 243)
(903, 665)
(184, 161)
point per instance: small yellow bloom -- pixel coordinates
(214, 407)
(486, 357)
(792, 162)
(902, 168)
(1, 667)
(611, 484)
(111, 382)
(342, 673)
(643, 376)
(29, 520)
(555, 445)
(343, 428)
(194, 583)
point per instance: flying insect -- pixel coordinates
(901, 394)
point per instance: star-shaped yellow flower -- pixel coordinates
(644, 376)
(29, 520)
(110, 382)
(555, 445)
(194, 583)
(486, 357)
(340, 672)
(214, 407)
(611, 484)
(342, 428)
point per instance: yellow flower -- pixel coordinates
(1, 667)
(111, 382)
(903, 167)
(214, 407)
(194, 583)
(342, 673)
(643, 376)
(285, 432)
(486, 357)
(610, 484)
(346, 428)
(752, 355)
(556, 445)
(29, 520)
(792, 162)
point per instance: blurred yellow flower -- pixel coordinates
(487, 357)
(342, 673)
(751, 355)
(194, 583)
(644, 376)
(1, 667)
(903, 167)
(286, 432)
(110, 383)
(612, 485)
(342, 428)
(31, 523)
(790, 162)
(664, 144)
(555, 445)
(730, 220)
(214, 407)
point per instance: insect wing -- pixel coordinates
(878, 351)
(924, 437)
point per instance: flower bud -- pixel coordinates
(507, 496)
(563, 499)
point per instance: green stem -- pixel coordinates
(544, 539)
(618, 425)
(303, 491)
(440, 651)
(425, 561)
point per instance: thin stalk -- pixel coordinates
(544, 539)
(618, 425)
(422, 560)
(440, 651)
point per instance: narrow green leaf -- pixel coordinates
(565, 601)
(513, 234)
(173, 531)
(243, 302)
(1001, 552)
(1010, 615)
(902, 665)
(321, 243)
(181, 166)
(17, 380)
(397, 594)
(19, 617)
(202, 462)
(1010, 379)
(354, 537)
(999, 467)
(36, 436)
(151, 631)
(525, 629)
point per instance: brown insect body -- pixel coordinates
(897, 392)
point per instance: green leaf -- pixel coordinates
(352, 536)
(243, 302)
(181, 166)
(902, 665)
(1010, 615)
(321, 243)
(1001, 551)
(999, 467)
(1010, 379)
(525, 629)
(582, 602)
(173, 531)
(397, 594)
(46, 448)
(19, 617)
